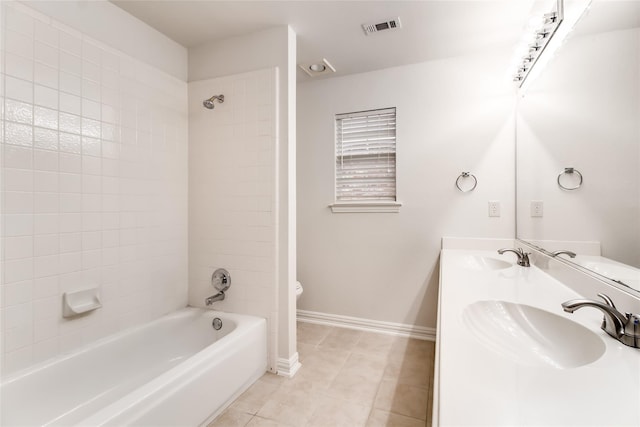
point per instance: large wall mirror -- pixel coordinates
(578, 127)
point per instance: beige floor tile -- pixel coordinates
(293, 407)
(336, 413)
(402, 399)
(371, 343)
(367, 365)
(318, 370)
(310, 333)
(379, 418)
(340, 339)
(354, 388)
(256, 396)
(410, 370)
(410, 346)
(231, 418)
(263, 422)
(305, 350)
(344, 373)
(271, 378)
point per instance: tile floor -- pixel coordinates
(348, 378)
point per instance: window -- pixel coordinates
(366, 161)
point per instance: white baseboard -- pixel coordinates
(288, 367)
(398, 329)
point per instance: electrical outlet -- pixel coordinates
(537, 208)
(494, 208)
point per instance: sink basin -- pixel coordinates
(480, 263)
(530, 336)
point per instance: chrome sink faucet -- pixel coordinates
(623, 327)
(523, 257)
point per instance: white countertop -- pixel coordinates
(476, 385)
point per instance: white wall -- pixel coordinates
(453, 115)
(94, 187)
(584, 112)
(273, 48)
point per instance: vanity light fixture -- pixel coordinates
(316, 68)
(543, 30)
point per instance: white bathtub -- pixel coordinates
(176, 370)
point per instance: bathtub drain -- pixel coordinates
(217, 323)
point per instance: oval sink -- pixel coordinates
(480, 263)
(531, 336)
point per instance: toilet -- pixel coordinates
(298, 290)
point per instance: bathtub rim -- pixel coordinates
(184, 372)
(181, 312)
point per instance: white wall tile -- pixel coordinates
(45, 97)
(18, 270)
(70, 163)
(63, 198)
(46, 33)
(17, 293)
(18, 66)
(46, 223)
(70, 43)
(47, 139)
(70, 242)
(18, 247)
(46, 244)
(18, 225)
(19, 21)
(21, 90)
(44, 75)
(46, 54)
(18, 359)
(45, 266)
(18, 180)
(70, 83)
(44, 160)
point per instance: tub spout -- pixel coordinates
(217, 297)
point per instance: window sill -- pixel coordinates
(365, 207)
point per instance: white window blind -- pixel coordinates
(366, 156)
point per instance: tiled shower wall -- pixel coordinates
(94, 187)
(232, 194)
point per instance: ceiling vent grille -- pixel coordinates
(390, 24)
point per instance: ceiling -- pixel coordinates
(332, 29)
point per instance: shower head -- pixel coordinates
(208, 103)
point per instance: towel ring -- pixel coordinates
(570, 171)
(464, 175)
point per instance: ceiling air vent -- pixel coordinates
(390, 24)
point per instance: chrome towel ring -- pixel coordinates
(570, 172)
(463, 176)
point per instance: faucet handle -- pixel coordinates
(607, 300)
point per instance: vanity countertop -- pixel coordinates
(479, 385)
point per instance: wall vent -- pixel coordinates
(389, 24)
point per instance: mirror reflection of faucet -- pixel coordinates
(623, 327)
(221, 280)
(523, 257)
(569, 253)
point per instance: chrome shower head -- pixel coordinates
(208, 103)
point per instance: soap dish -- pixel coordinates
(80, 301)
